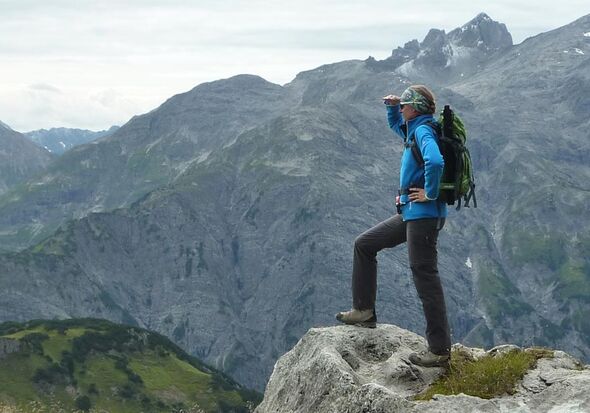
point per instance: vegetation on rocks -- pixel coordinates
(485, 377)
(94, 365)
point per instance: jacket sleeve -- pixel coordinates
(395, 120)
(433, 161)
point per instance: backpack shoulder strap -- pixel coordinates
(434, 125)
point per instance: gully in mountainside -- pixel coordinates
(419, 219)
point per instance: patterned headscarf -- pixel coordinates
(416, 100)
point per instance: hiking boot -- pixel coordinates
(360, 318)
(427, 358)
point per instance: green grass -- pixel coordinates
(59, 343)
(486, 377)
(100, 372)
(20, 334)
(16, 372)
(118, 368)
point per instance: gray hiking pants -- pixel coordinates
(421, 236)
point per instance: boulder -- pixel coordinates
(347, 369)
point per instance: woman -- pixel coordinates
(420, 217)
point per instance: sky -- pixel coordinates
(94, 64)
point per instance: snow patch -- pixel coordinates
(578, 51)
(468, 263)
(587, 34)
(63, 145)
(407, 69)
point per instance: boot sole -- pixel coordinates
(444, 364)
(364, 324)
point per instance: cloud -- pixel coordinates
(35, 108)
(93, 64)
(44, 87)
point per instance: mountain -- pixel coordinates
(231, 230)
(444, 58)
(19, 158)
(59, 140)
(89, 363)
(351, 369)
(149, 151)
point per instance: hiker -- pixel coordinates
(419, 219)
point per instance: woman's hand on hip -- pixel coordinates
(417, 195)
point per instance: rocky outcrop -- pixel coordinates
(8, 346)
(447, 57)
(347, 369)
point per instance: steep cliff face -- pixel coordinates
(236, 236)
(351, 369)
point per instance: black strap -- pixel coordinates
(470, 195)
(410, 141)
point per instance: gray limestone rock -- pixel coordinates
(354, 370)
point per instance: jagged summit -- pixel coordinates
(445, 57)
(352, 369)
(482, 32)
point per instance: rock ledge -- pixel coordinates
(347, 369)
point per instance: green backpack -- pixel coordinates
(457, 182)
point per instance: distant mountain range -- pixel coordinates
(225, 218)
(59, 140)
(19, 158)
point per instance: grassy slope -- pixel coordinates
(118, 368)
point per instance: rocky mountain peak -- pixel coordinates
(482, 32)
(350, 369)
(444, 57)
(434, 38)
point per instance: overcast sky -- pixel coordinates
(93, 64)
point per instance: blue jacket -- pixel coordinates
(411, 173)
